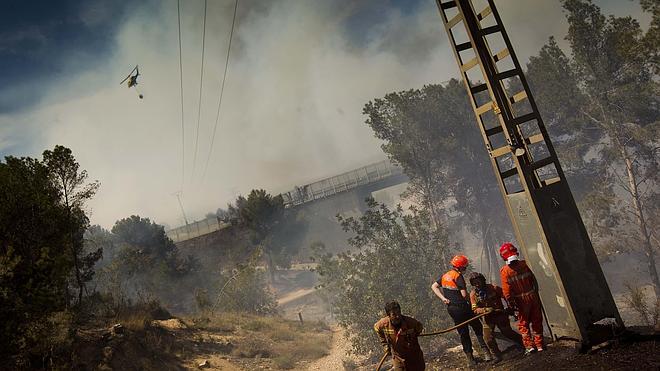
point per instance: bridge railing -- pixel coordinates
(196, 229)
(340, 183)
(300, 195)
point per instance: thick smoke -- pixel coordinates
(298, 77)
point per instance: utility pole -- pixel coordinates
(545, 218)
(178, 197)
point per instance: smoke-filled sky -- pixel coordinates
(299, 73)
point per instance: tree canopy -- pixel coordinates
(397, 255)
(432, 134)
(41, 250)
(602, 102)
(274, 229)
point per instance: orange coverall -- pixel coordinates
(520, 290)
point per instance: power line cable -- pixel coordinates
(201, 79)
(183, 129)
(222, 90)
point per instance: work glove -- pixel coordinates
(483, 310)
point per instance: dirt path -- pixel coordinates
(338, 352)
(294, 295)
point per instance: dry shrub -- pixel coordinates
(282, 334)
(159, 340)
(305, 342)
(138, 316)
(251, 347)
(312, 348)
(286, 341)
(637, 300)
(150, 349)
(136, 321)
(284, 362)
(224, 322)
(256, 325)
(316, 326)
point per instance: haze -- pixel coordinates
(299, 74)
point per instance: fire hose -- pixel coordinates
(382, 359)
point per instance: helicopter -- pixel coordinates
(132, 79)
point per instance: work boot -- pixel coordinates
(487, 355)
(483, 348)
(497, 356)
(470, 362)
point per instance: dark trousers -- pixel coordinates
(461, 313)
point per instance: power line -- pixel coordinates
(183, 129)
(201, 79)
(222, 90)
(178, 197)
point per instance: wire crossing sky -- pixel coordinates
(222, 91)
(287, 111)
(183, 126)
(201, 84)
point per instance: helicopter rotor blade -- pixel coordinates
(130, 74)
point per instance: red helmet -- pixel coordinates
(459, 261)
(507, 250)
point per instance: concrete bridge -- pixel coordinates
(320, 201)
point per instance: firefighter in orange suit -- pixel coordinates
(521, 292)
(398, 335)
(487, 298)
(452, 290)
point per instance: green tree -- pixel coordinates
(272, 227)
(652, 36)
(397, 255)
(604, 100)
(244, 289)
(146, 259)
(431, 133)
(97, 237)
(38, 256)
(74, 190)
(33, 270)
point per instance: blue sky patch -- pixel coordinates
(39, 38)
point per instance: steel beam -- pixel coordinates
(545, 218)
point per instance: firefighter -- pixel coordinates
(487, 298)
(398, 335)
(521, 292)
(452, 290)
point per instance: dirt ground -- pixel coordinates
(182, 348)
(625, 355)
(174, 345)
(338, 353)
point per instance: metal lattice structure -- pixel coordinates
(545, 218)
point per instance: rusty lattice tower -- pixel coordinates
(545, 217)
